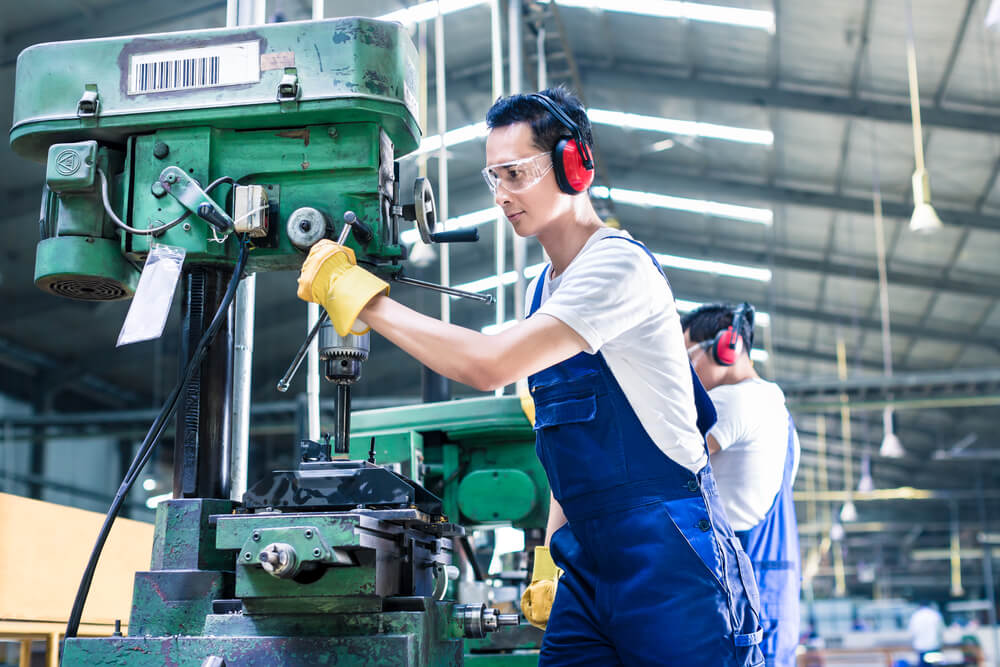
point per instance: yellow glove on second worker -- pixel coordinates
(537, 599)
(332, 278)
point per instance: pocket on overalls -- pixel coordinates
(581, 452)
(690, 517)
(747, 617)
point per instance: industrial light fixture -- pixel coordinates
(836, 531)
(620, 119)
(848, 513)
(866, 483)
(459, 135)
(763, 216)
(924, 219)
(891, 446)
(426, 11)
(683, 127)
(718, 268)
(679, 9)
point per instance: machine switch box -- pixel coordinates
(71, 167)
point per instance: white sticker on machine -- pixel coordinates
(194, 69)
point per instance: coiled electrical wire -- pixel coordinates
(159, 229)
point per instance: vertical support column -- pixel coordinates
(515, 32)
(435, 387)
(543, 71)
(243, 12)
(203, 444)
(500, 226)
(955, 552)
(442, 126)
(312, 373)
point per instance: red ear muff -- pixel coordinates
(727, 347)
(571, 174)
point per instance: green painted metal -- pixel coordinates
(84, 264)
(500, 494)
(79, 254)
(471, 439)
(184, 536)
(501, 416)
(405, 449)
(332, 168)
(186, 573)
(344, 68)
(320, 113)
(71, 166)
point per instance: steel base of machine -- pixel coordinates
(420, 631)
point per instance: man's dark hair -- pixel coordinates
(705, 322)
(545, 128)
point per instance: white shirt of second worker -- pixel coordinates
(926, 629)
(752, 432)
(615, 298)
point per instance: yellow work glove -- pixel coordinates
(537, 599)
(527, 405)
(332, 278)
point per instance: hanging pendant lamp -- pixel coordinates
(924, 219)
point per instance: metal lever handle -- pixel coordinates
(286, 379)
(361, 231)
(484, 298)
(469, 235)
(350, 220)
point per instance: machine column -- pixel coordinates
(203, 444)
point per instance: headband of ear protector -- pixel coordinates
(727, 346)
(572, 161)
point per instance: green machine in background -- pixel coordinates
(277, 136)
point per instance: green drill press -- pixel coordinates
(212, 141)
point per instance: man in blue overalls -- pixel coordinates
(755, 455)
(654, 575)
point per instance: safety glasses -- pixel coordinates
(518, 175)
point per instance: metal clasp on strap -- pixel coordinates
(751, 639)
(89, 103)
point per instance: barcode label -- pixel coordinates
(194, 69)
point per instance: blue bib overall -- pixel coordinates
(773, 545)
(653, 573)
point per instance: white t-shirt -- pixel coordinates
(752, 432)
(614, 297)
(926, 629)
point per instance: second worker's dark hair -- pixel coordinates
(705, 322)
(545, 128)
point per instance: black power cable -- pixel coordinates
(152, 437)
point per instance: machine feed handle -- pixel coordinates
(286, 379)
(467, 235)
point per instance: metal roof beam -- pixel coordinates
(88, 384)
(595, 74)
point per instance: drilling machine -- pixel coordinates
(215, 141)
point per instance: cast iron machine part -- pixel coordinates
(336, 558)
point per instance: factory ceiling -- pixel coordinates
(824, 118)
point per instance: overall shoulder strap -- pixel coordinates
(536, 300)
(651, 256)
